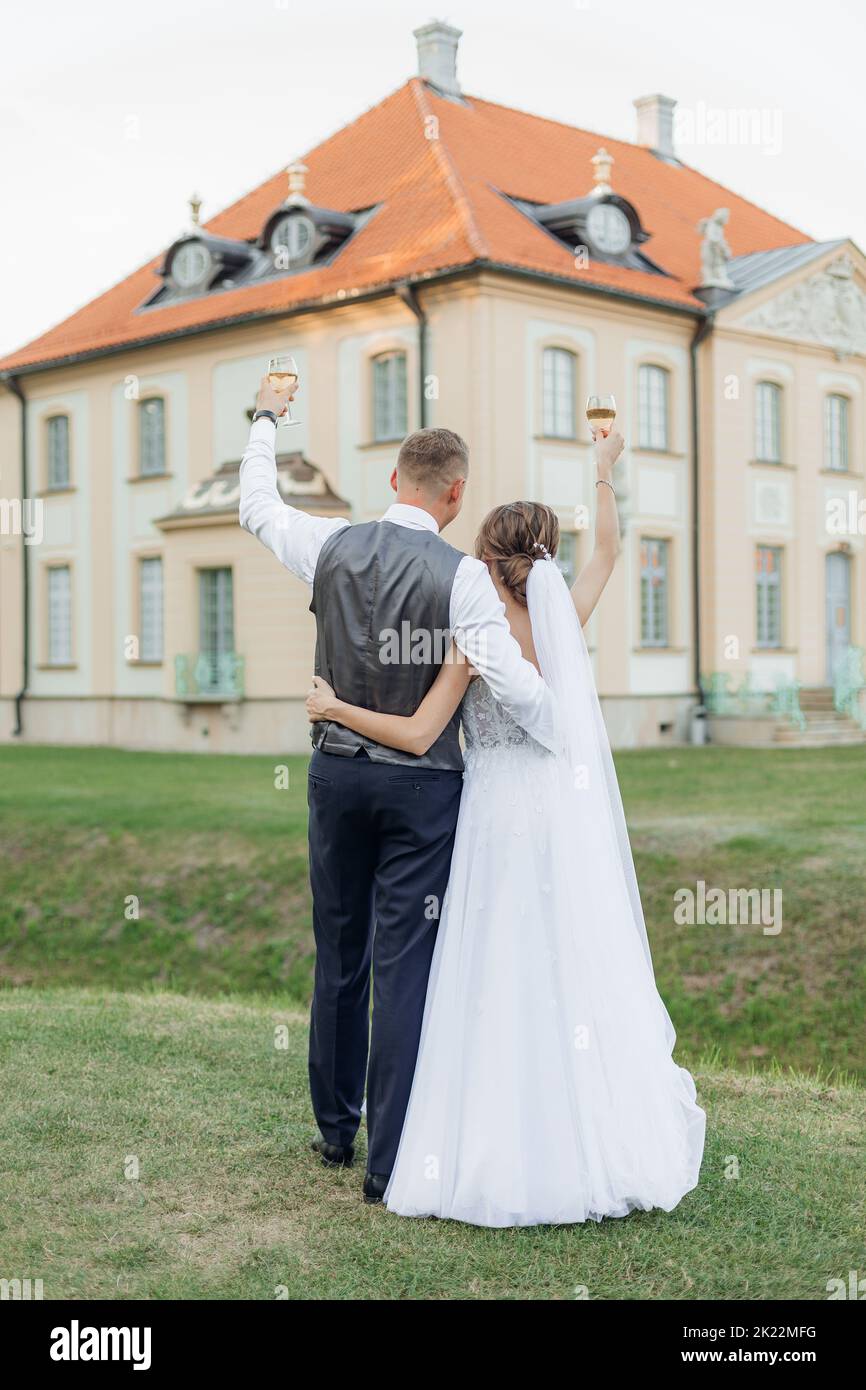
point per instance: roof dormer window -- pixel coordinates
(297, 233)
(608, 228)
(600, 222)
(293, 240)
(191, 265)
(295, 236)
(199, 261)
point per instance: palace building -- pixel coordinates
(447, 261)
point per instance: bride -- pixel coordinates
(545, 1089)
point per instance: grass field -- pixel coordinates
(215, 854)
(228, 1203)
(155, 933)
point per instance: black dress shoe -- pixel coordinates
(334, 1155)
(374, 1187)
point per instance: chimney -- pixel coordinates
(655, 124)
(437, 55)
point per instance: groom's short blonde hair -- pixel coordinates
(432, 459)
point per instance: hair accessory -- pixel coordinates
(543, 548)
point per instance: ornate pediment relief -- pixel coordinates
(828, 308)
(216, 498)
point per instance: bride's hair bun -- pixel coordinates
(513, 537)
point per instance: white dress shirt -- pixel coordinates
(477, 614)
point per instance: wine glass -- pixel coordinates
(601, 413)
(283, 376)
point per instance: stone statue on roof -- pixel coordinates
(715, 251)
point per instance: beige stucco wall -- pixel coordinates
(10, 556)
(274, 630)
(484, 380)
(512, 321)
(746, 503)
(485, 341)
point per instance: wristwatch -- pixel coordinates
(260, 414)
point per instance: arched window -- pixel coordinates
(559, 389)
(653, 407)
(389, 396)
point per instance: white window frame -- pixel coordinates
(216, 617)
(568, 556)
(150, 608)
(768, 599)
(654, 596)
(151, 456)
(59, 596)
(390, 376)
(559, 393)
(768, 422)
(654, 404)
(837, 432)
(58, 470)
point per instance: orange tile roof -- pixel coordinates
(439, 209)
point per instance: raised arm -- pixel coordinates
(412, 733)
(482, 633)
(295, 537)
(589, 585)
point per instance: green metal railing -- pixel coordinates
(849, 685)
(202, 676)
(748, 702)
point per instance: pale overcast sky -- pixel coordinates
(113, 113)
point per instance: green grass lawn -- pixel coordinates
(149, 1035)
(228, 1203)
(214, 852)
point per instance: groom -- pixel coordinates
(382, 822)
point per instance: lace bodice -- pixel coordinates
(487, 724)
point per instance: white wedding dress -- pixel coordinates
(545, 1090)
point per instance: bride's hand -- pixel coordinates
(320, 701)
(608, 448)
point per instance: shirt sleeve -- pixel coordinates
(295, 537)
(480, 630)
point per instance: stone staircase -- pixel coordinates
(825, 726)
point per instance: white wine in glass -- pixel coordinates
(601, 413)
(283, 376)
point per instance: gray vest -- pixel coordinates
(382, 598)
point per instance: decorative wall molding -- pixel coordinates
(828, 308)
(772, 503)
